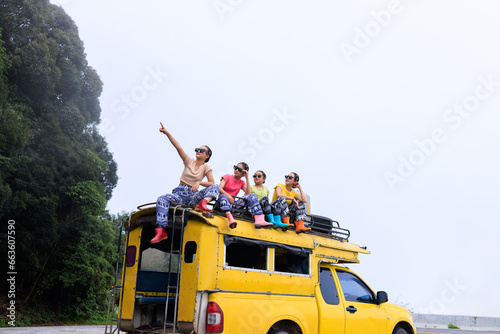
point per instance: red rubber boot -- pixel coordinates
(160, 235)
(202, 206)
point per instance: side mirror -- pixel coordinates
(382, 297)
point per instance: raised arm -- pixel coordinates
(248, 188)
(302, 195)
(174, 142)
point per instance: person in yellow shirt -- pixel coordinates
(288, 202)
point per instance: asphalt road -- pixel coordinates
(446, 331)
(100, 330)
(54, 330)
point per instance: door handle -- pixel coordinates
(351, 309)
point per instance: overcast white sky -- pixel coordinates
(388, 110)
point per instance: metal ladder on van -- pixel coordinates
(172, 326)
(170, 285)
(112, 322)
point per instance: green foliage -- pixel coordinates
(56, 172)
(452, 326)
(89, 196)
(4, 65)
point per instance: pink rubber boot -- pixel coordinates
(260, 222)
(232, 223)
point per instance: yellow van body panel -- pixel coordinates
(256, 313)
(134, 240)
(201, 273)
(397, 314)
(371, 318)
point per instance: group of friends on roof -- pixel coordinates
(286, 204)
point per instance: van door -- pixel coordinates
(330, 306)
(362, 313)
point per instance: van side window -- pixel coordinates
(355, 290)
(286, 261)
(255, 254)
(243, 255)
(328, 287)
(190, 252)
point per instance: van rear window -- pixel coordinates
(158, 260)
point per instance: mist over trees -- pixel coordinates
(56, 173)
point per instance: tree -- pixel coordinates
(56, 172)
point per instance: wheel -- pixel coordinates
(272, 331)
(399, 330)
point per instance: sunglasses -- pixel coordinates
(238, 169)
(201, 150)
(289, 177)
(259, 176)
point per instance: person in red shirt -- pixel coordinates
(230, 186)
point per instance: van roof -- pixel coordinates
(327, 243)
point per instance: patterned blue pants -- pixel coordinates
(281, 208)
(182, 194)
(264, 204)
(251, 201)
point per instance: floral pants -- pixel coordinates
(182, 194)
(251, 201)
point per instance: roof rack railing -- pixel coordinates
(329, 226)
(317, 223)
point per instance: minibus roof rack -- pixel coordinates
(327, 226)
(320, 225)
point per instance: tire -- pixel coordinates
(399, 330)
(272, 331)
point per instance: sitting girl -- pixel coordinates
(230, 186)
(195, 170)
(287, 201)
(262, 193)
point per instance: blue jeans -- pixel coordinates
(182, 194)
(251, 200)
